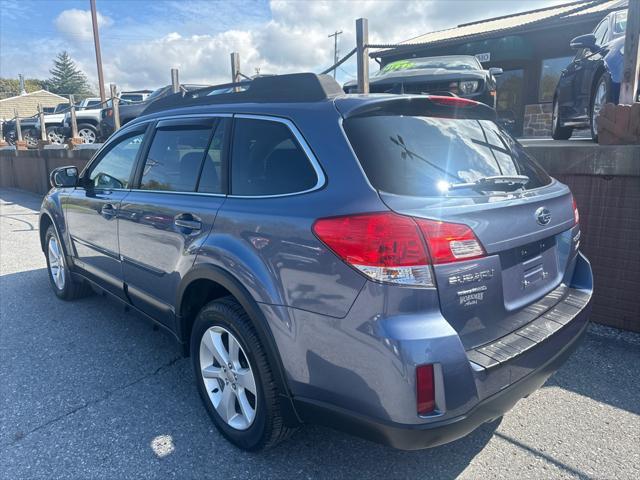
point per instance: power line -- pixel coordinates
(335, 47)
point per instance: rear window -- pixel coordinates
(409, 155)
(267, 160)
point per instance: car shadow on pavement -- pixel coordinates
(604, 368)
(23, 198)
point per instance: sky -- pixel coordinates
(143, 39)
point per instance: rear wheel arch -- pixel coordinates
(219, 283)
(89, 121)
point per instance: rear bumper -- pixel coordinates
(414, 437)
(497, 384)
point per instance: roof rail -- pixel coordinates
(294, 87)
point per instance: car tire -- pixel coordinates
(601, 94)
(59, 273)
(558, 132)
(30, 136)
(250, 420)
(55, 135)
(10, 137)
(88, 133)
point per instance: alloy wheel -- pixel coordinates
(87, 135)
(228, 377)
(55, 137)
(56, 263)
(29, 137)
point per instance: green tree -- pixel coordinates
(67, 78)
(10, 87)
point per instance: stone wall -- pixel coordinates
(30, 169)
(537, 120)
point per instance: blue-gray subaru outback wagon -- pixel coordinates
(395, 266)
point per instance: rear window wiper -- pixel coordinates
(504, 183)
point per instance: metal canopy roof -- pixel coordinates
(573, 12)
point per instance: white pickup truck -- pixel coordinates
(88, 115)
(87, 118)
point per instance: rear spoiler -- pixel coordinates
(417, 105)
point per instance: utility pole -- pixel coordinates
(175, 80)
(96, 41)
(235, 70)
(631, 68)
(335, 48)
(362, 54)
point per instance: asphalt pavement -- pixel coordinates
(89, 391)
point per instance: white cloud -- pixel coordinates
(293, 39)
(76, 24)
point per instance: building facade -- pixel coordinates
(27, 104)
(531, 47)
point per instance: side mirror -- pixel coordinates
(64, 177)
(587, 41)
(495, 71)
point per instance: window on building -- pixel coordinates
(549, 76)
(267, 160)
(175, 158)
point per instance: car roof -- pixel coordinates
(296, 94)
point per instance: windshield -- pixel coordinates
(157, 93)
(131, 97)
(418, 156)
(619, 24)
(451, 62)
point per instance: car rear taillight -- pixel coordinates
(449, 242)
(452, 101)
(425, 389)
(576, 214)
(388, 247)
(384, 246)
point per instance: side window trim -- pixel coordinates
(179, 120)
(226, 123)
(138, 129)
(321, 178)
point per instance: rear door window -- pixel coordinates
(410, 155)
(175, 157)
(268, 160)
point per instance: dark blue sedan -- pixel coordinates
(592, 79)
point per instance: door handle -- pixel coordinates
(188, 222)
(108, 211)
